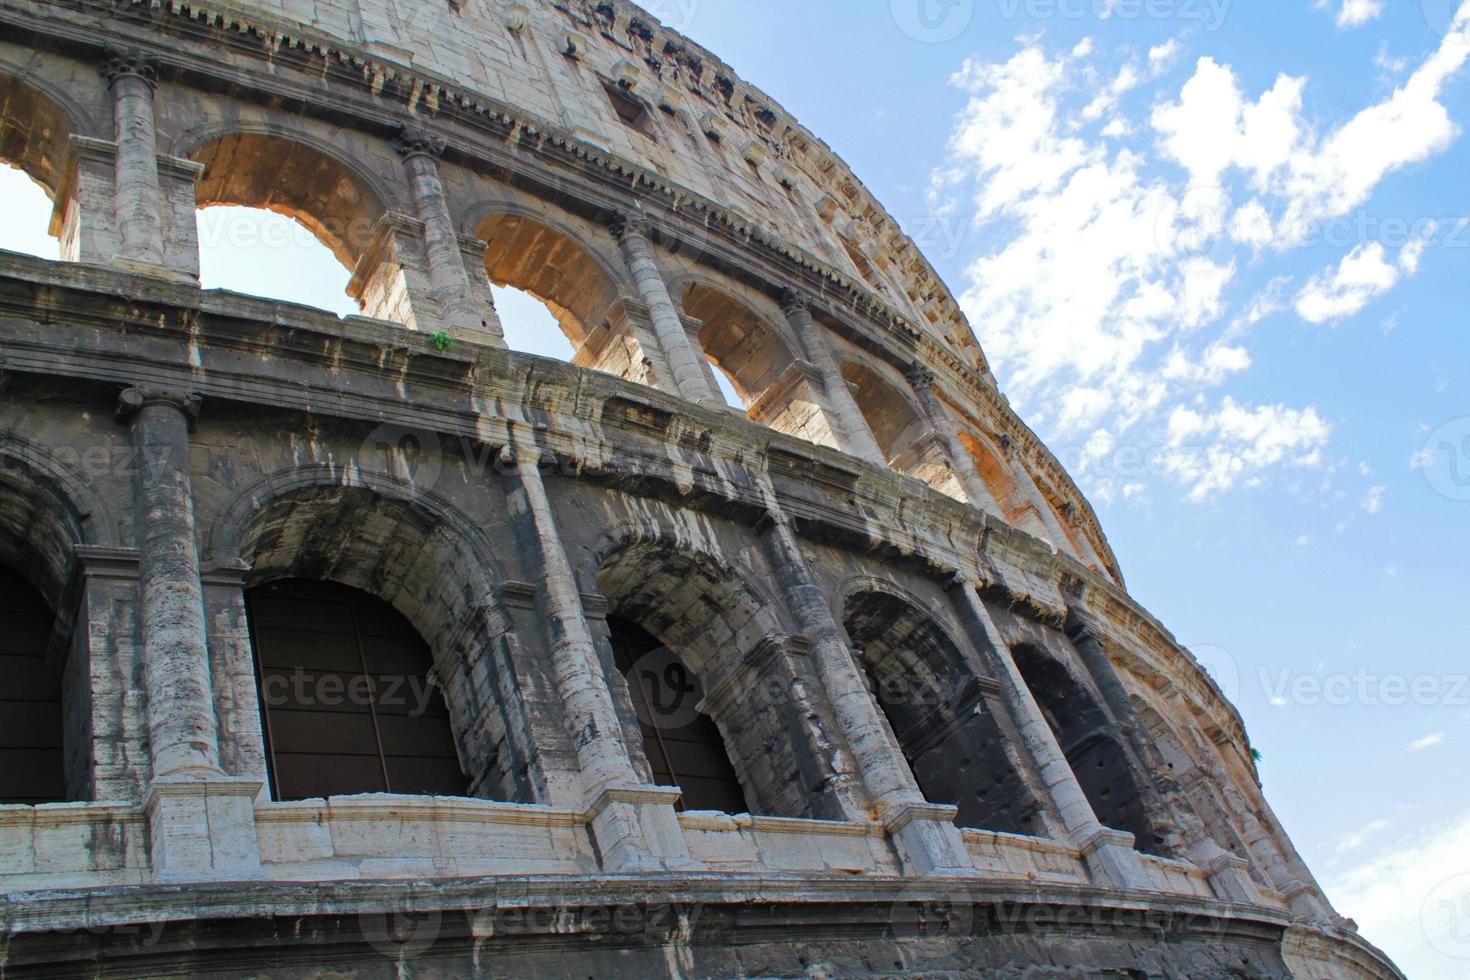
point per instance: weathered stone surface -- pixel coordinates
(966, 750)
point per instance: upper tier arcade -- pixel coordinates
(541, 135)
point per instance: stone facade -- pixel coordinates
(964, 748)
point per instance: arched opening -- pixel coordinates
(262, 253)
(433, 571)
(1092, 746)
(540, 276)
(936, 707)
(286, 221)
(744, 350)
(894, 422)
(34, 143)
(530, 326)
(347, 704)
(683, 745)
(32, 754)
(547, 264)
(719, 631)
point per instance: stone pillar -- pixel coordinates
(139, 215)
(924, 833)
(84, 218)
(181, 722)
(472, 253)
(232, 670)
(922, 380)
(635, 825)
(857, 438)
(201, 822)
(459, 307)
(1109, 853)
(690, 381)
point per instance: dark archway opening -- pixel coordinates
(935, 704)
(1091, 744)
(683, 745)
(347, 704)
(32, 756)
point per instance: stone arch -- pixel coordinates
(1092, 745)
(937, 707)
(295, 175)
(737, 339)
(423, 559)
(895, 421)
(48, 512)
(747, 667)
(36, 126)
(45, 685)
(552, 261)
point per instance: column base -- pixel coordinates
(202, 828)
(637, 830)
(927, 841)
(1111, 860)
(1229, 875)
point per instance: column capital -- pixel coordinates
(412, 141)
(129, 63)
(795, 301)
(920, 377)
(628, 224)
(133, 400)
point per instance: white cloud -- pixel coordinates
(1358, 838)
(1398, 897)
(1373, 503)
(1161, 56)
(1109, 303)
(1353, 13)
(1212, 453)
(1422, 459)
(1427, 742)
(1363, 275)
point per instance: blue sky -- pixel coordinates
(1217, 253)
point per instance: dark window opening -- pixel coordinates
(684, 747)
(632, 112)
(345, 699)
(32, 761)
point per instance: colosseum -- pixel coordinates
(367, 647)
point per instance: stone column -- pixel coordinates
(635, 824)
(459, 306)
(181, 722)
(202, 822)
(922, 380)
(1109, 853)
(690, 381)
(139, 216)
(857, 438)
(924, 833)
